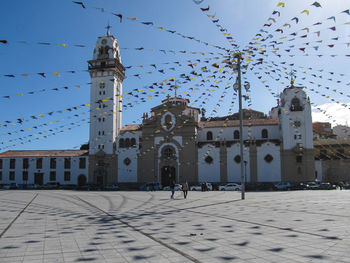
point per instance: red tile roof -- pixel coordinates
(235, 123)
(45, 153)
(131, 128)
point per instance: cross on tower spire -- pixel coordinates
(175, 88)
(108, 27)
(292, 78)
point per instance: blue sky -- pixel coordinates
(63, 22)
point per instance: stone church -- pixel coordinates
(173, 142)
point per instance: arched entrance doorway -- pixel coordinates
(81, 180)
(168, 164)
(100, 175)
(167, 175)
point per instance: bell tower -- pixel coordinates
(297, 136)
(107, 75)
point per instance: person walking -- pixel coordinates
(172, 188)
(185, 189)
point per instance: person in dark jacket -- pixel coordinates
(172, 188)
(185, 189)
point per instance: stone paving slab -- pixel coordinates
(72, 226)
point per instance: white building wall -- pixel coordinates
(75, 171)
(101, 119)
(209, 172)
(233, 168)
(226, 133)
(128, 173)
(269, 172)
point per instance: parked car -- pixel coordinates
(230, 187)
(196, 188)
(90, 187)
(346, 186)
(178, 187)
(148, 186)
(209, 186)
(299, 186)
(312, 186)
(68, 187)
(112, 187)
(51, 185)
(283, 186)
(266, 186)
(30, 186)
(327, 186)
(13, 186)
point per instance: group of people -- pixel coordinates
(185, 189)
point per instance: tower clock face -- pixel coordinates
(104, 41)
(297, 124)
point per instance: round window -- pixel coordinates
(209, 159)
(268, 158)
(127, 161)
(237, 159)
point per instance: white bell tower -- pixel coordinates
(297, 137)
(107, 75)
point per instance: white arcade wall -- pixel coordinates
(269, 170)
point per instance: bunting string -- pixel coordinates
(148, 24)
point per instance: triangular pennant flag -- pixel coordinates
(317, 4)
(332, 17)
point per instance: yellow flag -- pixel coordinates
(306, 12)
(63, 45)
(56, 73)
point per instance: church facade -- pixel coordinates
(175, 141)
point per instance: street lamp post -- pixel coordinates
(238, 56)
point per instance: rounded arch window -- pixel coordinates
(295, 105)
(102, 85)
(133, 142)
(127, 161)
(236, 135)
(121, 143)
(209, 159)
(127, 143)
(209, 136)
(264, 133)
(168, 152)
(268, 158)
(237, 159)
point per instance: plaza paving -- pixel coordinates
(71, 226)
